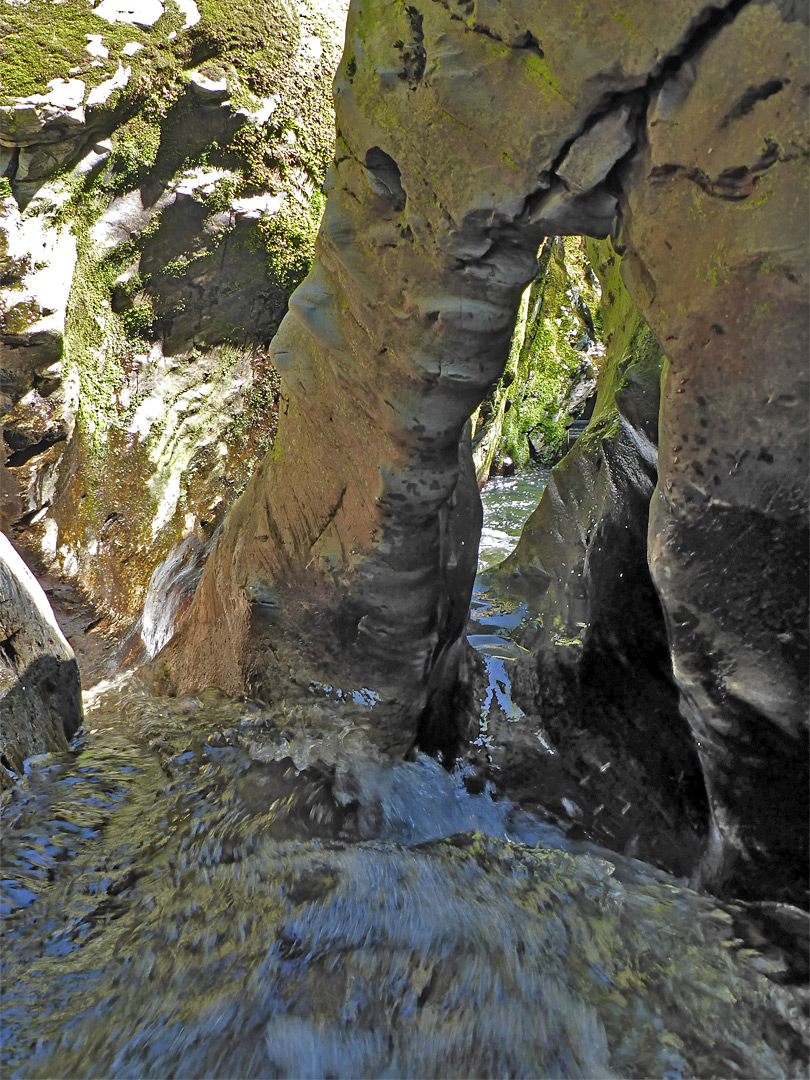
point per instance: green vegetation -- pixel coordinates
(135, 148)
(50, 42)
(170, 284)
(552, 354)
(257, 423)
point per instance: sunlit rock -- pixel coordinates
(40, 691)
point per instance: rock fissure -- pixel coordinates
(752, 96)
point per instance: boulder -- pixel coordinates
(40, 689)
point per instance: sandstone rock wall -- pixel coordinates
(728, 534)
(467, 133)
(428, 241)
(163, 172)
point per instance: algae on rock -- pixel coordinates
(553, 361)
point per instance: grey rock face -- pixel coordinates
(40, 691)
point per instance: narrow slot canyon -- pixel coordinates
(404, 538)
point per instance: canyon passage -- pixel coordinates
(344, 795)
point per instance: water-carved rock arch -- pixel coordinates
(466, 133)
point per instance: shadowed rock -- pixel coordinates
(40, 691)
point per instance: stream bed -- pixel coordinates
(208, 888)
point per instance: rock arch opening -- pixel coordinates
(459, 148)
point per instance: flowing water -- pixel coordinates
(508, 502)
(205, 888)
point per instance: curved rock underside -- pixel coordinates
(466, 133)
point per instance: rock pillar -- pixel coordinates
(467, 132)
(716, 231)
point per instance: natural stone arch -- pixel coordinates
(466, 133)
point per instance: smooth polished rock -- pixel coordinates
(40, 689)
(451, 132)
(728, 536)
(428, 240)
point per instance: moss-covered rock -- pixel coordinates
(40, 690)
(187, 197)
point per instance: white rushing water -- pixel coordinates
(508, 502)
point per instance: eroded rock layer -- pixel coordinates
(598, 679)
(717, 259)
(442, 189)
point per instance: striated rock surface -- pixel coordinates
(466, 135)
(40, 691)
(403, 325)
(616, 757)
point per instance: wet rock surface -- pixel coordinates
(258, 894)
(40, 690)
(728, 524)
(414, 238)
(428, 241)
(347, 560)
(592, 671)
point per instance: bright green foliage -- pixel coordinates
(289, 237)
(552, 353)
(50, 40)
